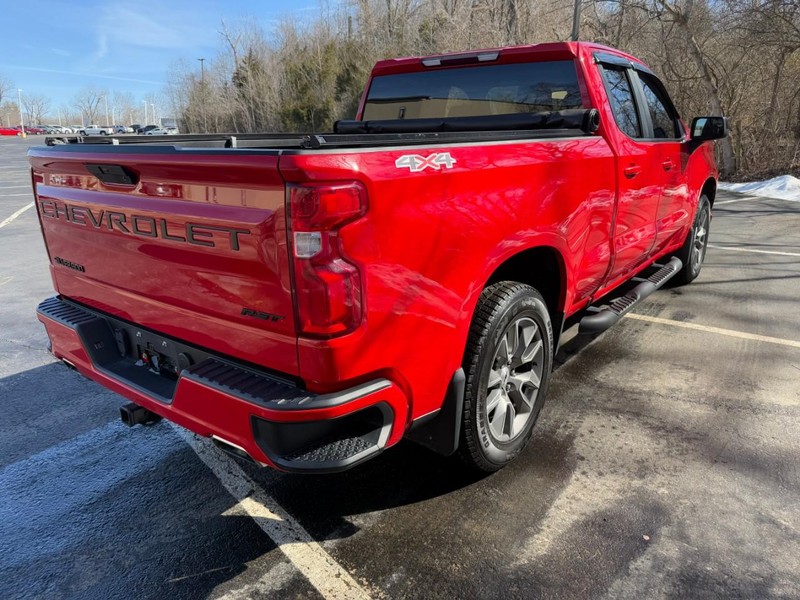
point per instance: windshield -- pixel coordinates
(475, 91)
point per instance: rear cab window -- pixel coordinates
(470, 91)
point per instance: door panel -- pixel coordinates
(666, 144)
(639, 176)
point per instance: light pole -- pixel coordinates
(153, 111)
(58, 110)
(21, 119)
(203, 92)
(145, 113)
(576, 21)
(105, 100)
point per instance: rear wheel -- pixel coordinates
(694, 248)
(507, 364)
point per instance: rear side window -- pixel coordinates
(475, 91)
(663, 116)
(620, 94)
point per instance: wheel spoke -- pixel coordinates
(511, 415)
(495, 379)
(492, 400)
(498, 420)
(531, 352)
(511, 340)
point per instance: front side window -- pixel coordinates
(472, 91)
(665, 122)
(620, 94)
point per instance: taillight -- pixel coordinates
(327, 285)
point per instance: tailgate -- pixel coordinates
(190, 243)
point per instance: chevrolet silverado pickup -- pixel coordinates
(309, 300)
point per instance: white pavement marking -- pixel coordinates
(15, 215)
(741, 200)
(10, 195)
(322, 571)
(11, 187)
(752, 250)
(718, 330)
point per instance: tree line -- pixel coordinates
(91, 104)
(734, 57)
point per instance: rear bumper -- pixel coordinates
(271, 419)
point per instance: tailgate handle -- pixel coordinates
(113, 174)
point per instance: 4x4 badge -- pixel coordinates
(417, 163)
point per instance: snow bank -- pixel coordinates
(784, 187)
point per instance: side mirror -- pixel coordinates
(709, 128)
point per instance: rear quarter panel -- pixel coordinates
(431, 240)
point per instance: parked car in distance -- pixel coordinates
(97, 130)
(34, 130)
(123, 129)
(9, 131)
(163, 131)
(143, 130)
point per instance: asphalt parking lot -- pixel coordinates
(665, 464)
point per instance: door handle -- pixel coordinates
(668, 164)
(632, 171)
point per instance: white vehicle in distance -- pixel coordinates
(96, 130)
(163, 131)
(123, 129)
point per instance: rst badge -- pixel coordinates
(416, 163)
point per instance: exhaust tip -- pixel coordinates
(232, 449)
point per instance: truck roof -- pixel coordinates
(508, 54)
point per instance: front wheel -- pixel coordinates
(507, 363)
(693, 252)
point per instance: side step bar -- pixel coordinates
(605, 318)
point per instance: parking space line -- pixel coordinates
(16, 214)
(718, 330)
(11, 187)
(329, 578)
(10, 195)
(740, 200)
(752, 250)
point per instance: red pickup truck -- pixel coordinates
(309, 300)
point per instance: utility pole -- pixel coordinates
(153, 110)
(576, 21)
(58, 111)
(203, 92)
(21, 119)
(105, 99)
(145, 114)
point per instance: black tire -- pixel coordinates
(693, 252)
(502, 307)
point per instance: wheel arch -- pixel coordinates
(541, 267)
(710, 190)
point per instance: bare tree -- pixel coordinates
(740, 58)
(6, 87)
(37, 107)
(88, 102)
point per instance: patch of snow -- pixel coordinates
(784, 187)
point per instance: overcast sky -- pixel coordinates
(56, 47)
